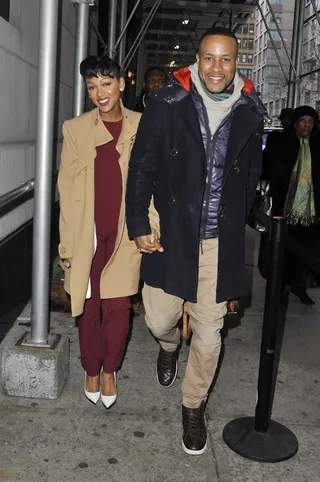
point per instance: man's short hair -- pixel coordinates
(154, 69)
(219, 31)
(103, 65)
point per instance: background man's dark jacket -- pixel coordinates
(168, 160)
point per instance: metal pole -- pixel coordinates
(295, 38)
(281, 36)
(112, 28)
(272, 42)
(314, 6)
(298, 59)
(141, 67)
(270, 324)
(43, 171)
(124, 30)
(81, 52)
(123, 42)
(98, 34)
(140, 35)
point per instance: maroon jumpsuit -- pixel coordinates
(103, 327)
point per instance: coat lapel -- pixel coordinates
(190, 118)
(99, 135)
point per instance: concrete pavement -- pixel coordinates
(139, 439)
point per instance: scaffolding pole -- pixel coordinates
(125, 28)
(123, 41)
(314, 6)
(272, 42)
(112, 28)
(281, 36)
(140, 35)
(298, 58)
(43, 174)
(295, 41)
(81, 52)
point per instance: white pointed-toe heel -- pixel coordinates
(92, 396)
(109, 400)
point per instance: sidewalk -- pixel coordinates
(139, 439)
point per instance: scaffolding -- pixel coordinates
(163, 21)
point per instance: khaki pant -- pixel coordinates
(163, 311)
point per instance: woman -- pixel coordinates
(295, 191)
(101, 264)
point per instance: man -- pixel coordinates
(198, 153)
(274, 141)
(155, 79)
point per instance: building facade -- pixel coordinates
(246, 34)
(310, 84)
(267, 74)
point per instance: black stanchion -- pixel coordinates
(259, 438)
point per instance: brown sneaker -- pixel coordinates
(167, 367)
(194, 440)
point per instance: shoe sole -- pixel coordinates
(174, 378)
(193, 452)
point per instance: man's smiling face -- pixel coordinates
(217, 62)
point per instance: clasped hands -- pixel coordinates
(149, 244)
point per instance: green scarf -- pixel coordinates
(299, 206)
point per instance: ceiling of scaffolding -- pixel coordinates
(173, 34)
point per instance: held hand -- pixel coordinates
(67, 262)
(150, 243)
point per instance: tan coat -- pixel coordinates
(120, 276)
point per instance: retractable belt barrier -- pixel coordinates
(259, 438)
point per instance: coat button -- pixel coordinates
(174, 152)
(96, 122)
(172, 200)
(62, 250)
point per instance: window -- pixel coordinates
(251, 28)
(275, 35)
(278, 18)
(244, 43)
(271, 109)
(5, 9)
(307, 98)
(245, 29)
(318, 106)
(250, 58)
(271, 54)
(250, 44)
(243, 58)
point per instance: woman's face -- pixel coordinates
(105, 93)
(304, 126)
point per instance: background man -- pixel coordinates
(155, 79)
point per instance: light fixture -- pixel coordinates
(130, 74)
(176, 47)
(172, 63)
(185, 21)
(133, 82)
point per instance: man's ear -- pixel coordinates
(198, 57)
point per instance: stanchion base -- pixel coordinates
(275, 445)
